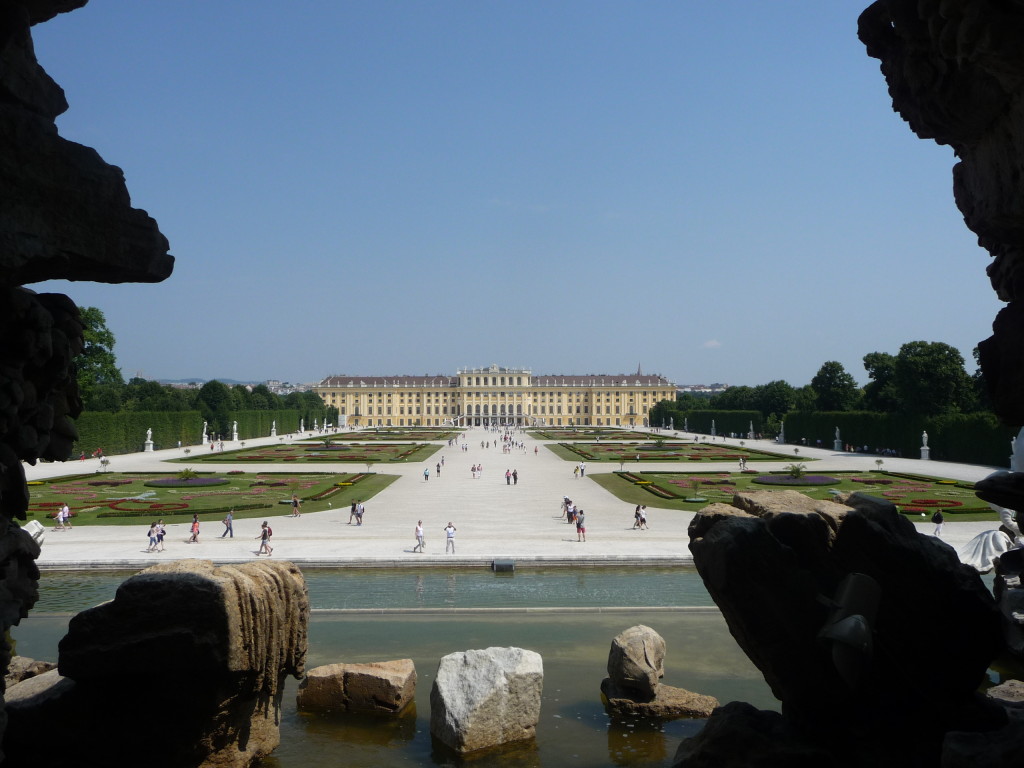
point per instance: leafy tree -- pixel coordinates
(982, 398)
(880, 394)
(99, 378)
(214, 402)
(930, 378)
(835, 388)
(806, 399)
(241, 398)
(734, 399)
(263, 399)
(776, 397)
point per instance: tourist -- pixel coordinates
(161, 532)
(937, 519)
(439, 469)
(194, 538)
(449, 532)
(581, 529)
(295, 506)
(264, 536)
(583, 469)
(229, 519)
(66, 511)
(426, 474)
(576, 472)
(515, 477)
(636, 517)
(360, 509)
(420, 543)
(152, 537)
(352, 511)
(508, 476)
(643, 517)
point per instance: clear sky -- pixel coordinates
(715, 191)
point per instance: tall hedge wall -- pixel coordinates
(125, 432)
(969, 438)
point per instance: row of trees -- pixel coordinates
(924, 378)
(103, 388)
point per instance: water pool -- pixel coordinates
(375, 623)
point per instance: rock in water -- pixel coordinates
(385, 687)
(185, 667)
(636, 660)
(485, 698)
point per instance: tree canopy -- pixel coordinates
(99, 378)
(834, 388)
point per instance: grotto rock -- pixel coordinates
(384, 687)
(22, 668)
(198, 651)
(485, 698)
(666, 703)
(935, 631)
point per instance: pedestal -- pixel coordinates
(148, 448)
(925, 453)
(837, 446)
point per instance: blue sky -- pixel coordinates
(714, 191)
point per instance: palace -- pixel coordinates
(495, 396)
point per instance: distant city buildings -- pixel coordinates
(702, 389)
(496, 395)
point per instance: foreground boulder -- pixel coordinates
(636, 661)
(886, 691)
(485, 698)
(384, 687)
(185, 667)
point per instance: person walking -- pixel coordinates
(508, 476)
(66, 511)
(636, 517)
(937, 519)
(583, 469)
(295, 505)
(194, 538)
(152, 537)
(229, 519)
(515, 477)
(420, 543)
(426, 474)
(581, 528)
(352, 511)
(360, 509)
(438, 469)
(161, 532)
(643, 517)
(449, 532)
(264, 536)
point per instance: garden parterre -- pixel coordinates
(305, 452)
(110, 499)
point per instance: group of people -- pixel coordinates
(421, 542)
(574, 515)
(640, 517)
(157, 532)
(356, 512)
(512, 477)
(62, 519)
(580, 470)
(476, 470)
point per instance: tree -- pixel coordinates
(776, 397)
(930, 378)
(99, 378)
(214, 402)
(835, 388)
(734, 399)
(880, 393)
(806, 399)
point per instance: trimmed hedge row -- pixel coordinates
(125, 431)
(726, 422)
(967, 438)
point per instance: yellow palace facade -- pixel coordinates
(495, 396)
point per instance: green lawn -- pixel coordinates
(132, 499)
(388, 434)
(665, 451)
(587, 433)
(916, 496)
(306, 453)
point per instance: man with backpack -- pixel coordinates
(264, 536)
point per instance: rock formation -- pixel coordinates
(636, 664)
(896, 686)
(64, 213)
(486, 698)
(955, 72)
(188, 654)
(383, 687)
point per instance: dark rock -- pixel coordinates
(193, 652)
(955, 72)
(740, 736)
(383, 687)
(936, 628)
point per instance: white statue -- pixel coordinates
(924, 439)
(204, 433)
(149, 435)
(837, 434)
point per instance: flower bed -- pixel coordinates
(790, 480)
(192, 482)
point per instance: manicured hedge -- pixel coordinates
(969, 438)
(726, 422)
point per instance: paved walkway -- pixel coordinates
(494, 521)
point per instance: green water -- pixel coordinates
(573, 730)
